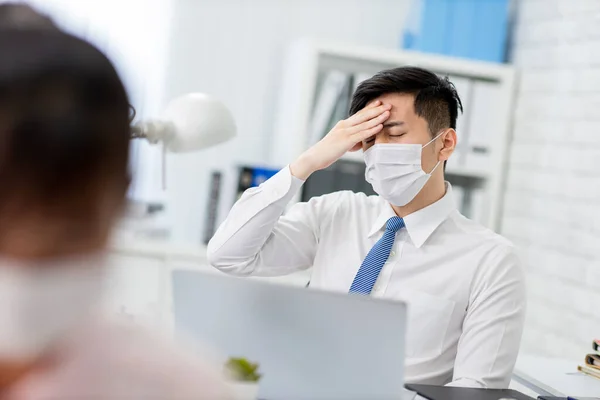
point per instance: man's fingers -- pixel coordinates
(376, 103)
(370, 123)
(356, 147)
(367, 114)
(347, 122)
(364, 135)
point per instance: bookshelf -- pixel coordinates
(477, 169)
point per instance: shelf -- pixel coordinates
(446, 64)
(489, 116)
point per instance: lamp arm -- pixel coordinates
(153, 131)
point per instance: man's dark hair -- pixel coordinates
(436, 99)
(23, 16)
(64, 123)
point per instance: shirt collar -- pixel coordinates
(420, 224)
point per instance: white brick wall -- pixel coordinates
(552, 203)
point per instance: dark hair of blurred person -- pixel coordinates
(22, 16)
(64, 139)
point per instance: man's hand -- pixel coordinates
(346, 135)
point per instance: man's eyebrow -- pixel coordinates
(390, 124)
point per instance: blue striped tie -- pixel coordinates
(373, 263)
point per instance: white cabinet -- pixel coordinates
(135, 287)
(139, 282)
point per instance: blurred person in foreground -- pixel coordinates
(64, 139)
(463, 283)
(15, 15)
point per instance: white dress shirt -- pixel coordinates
(463, 283)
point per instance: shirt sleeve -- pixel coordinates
(492, 329)
(257, 239)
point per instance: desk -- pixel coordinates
(535, 376)
(554, 377)
(141, 287)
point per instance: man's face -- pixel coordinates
(404, 126)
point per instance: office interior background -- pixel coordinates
(539, 187)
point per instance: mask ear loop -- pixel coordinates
(433, 140)
(434, 168)
(427, 144)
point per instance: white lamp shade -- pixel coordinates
(197, 121)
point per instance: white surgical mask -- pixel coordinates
(394, 171)
(40, 303)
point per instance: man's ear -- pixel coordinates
(449, 141)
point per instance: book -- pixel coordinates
(464, 87)
(328, 95)
(210, 225)
(596, 346)
(249, 177)
(593, 361)
(481, 124)
(342, 106)
(594, 372)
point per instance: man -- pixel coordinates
(463, 283)
(64, 146)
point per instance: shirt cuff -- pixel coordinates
(282, 186)
(296, 183)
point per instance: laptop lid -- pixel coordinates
(309, 344)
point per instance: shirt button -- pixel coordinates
(393, 253)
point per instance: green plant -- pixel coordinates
(242, 370)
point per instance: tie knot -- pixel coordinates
(394, 224)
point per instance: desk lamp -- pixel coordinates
(191, 122)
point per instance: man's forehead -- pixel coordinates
(402, 103)
(399, 100)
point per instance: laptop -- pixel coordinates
(310, 344)
(460, 393)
